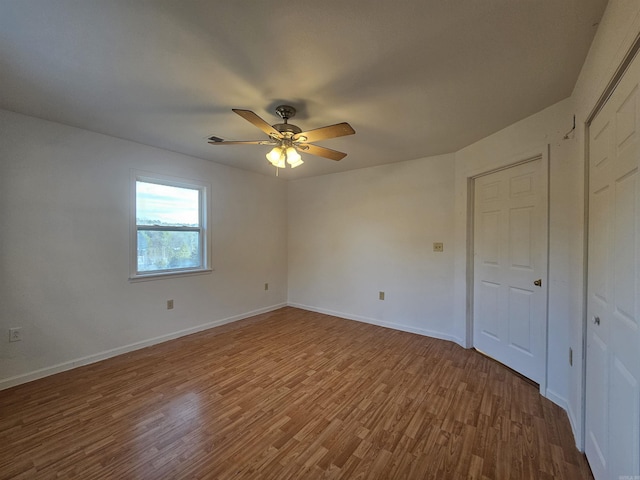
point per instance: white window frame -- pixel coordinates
(205, 238)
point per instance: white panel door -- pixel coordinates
(510, 256)
(612, 442)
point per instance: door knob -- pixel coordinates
(538, 283)
(596, 320)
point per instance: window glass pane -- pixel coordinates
(166, 205)
(167, 250)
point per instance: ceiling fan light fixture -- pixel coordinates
(293, 157)
(296, 164)
(281, 163)
(276, 157)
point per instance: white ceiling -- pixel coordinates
(414, 78)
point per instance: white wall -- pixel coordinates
(354, 234)
(64, 248)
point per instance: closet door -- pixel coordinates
(612, 443)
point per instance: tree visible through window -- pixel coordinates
(170, 234)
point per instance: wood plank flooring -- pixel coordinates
(288, 395)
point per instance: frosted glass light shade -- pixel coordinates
(274, 155)
(293, 157)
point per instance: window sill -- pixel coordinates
(159, 276)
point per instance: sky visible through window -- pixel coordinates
(166, 205)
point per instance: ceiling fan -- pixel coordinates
(288, 139)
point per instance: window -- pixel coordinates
(169, 228)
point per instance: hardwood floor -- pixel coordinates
(288, 394)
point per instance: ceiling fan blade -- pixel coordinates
(321, 151)
(251, 117)
(248, 142)
(331, 131)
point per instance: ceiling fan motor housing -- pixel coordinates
(287, 128)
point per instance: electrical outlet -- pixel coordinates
(571, 356)
(438, 247)
(15, 334)
(266, 286)
(169, 304)
(381, 295)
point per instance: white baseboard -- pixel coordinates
(380, 323)
(78, 362)
(574, 428)
(557, 399)
(564, 404)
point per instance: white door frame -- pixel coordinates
(541, 153)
